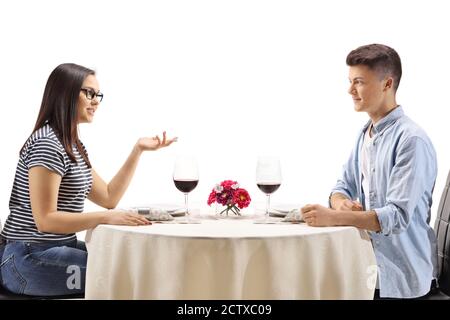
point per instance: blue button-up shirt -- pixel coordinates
(403, 172)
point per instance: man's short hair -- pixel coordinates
(380, 58)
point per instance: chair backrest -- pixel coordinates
(441, 227)
(1, 239)
(0, 232)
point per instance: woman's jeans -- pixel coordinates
(43, 269)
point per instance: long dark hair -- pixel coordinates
(59, 106)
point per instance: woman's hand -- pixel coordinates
(154, 143)
(122, 217)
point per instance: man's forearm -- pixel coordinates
(367, 220)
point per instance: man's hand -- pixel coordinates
(348, 204)
(316, 215)
(340, 201)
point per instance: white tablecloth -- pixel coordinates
(229, 259)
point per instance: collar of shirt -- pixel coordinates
(385, 122)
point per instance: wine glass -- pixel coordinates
(268, 178)
(185, 177)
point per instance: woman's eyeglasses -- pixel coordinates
(91, 94)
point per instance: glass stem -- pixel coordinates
(186, 203)
(267, 205)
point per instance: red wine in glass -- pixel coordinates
(185, 186)
(186, 177)
(268, 177)
(268, 188)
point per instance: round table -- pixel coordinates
(233, 258)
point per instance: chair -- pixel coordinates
(7, 295)
(441, 227)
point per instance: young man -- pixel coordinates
(391, 170)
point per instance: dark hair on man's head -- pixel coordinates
(380, 58)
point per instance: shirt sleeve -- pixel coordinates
(412, 177)
(347, 183)
(46, 153)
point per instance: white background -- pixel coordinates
(232, 79)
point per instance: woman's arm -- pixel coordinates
(109, 195)
(44, 186)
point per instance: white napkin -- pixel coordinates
(281, 210)
(295, 215)
(153, 214)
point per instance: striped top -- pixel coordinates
(44, 149)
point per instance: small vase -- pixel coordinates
(227, 211)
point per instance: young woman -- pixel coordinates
(42, 256)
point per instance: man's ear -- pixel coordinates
(389, 83)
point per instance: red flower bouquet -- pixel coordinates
(229, 194)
